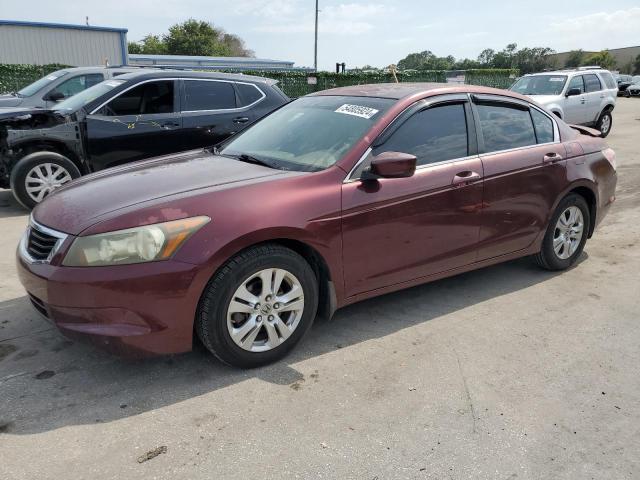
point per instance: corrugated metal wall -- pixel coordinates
(76, 47)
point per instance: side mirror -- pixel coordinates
(54, 96)
(573, 92)
(391, 165)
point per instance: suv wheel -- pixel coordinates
(605, 122)
(38, 174)
(258, 306)
(566, 235)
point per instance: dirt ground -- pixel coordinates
(509, 372)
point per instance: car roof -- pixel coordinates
(569, 72)
(97, 68)
(399, 91)
(150, 74)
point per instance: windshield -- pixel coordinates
(87, 96)
(36, 86)
(540, 85)
(308, 134)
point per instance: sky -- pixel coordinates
(356, 32)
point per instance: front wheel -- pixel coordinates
(605, 122)
(38, 174)
(257, 306)
(566, 235)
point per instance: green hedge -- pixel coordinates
(294, 84)
(15, 77)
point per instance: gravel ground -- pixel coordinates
(507, 372)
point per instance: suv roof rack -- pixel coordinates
(591, 67)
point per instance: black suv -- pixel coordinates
(131, 117)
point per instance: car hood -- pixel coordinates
(9, 101)
(102, 195)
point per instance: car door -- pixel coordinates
(211, 112)
(139, 122)
(397, 230)
(594, 95)
(575, 106)
(524, 172)
(70, 87)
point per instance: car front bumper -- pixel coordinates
(134, 310)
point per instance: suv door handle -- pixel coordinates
(170, 124)
(241, 120)
(466, 177)
(551, 157)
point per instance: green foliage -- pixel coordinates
(574, 59)
(636, 65)
(602, 59)
(15, 77)
(491, 77)
(192, 37)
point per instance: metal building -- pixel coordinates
(210, 63)
(76, 45)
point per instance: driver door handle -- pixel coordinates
(241, 120)
(551, 157)
(465, 178)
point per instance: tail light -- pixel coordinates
(610, 155)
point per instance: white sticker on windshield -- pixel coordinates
(556, 79)
(357, 110)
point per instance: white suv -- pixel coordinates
(585, 96)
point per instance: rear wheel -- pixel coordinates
(38, 174)
(605, 122)
(566, 235)
(258, 306)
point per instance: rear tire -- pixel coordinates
(246, 324)
(36, 175)
(560, 246)
(605, 123)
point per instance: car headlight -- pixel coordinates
(148, 243)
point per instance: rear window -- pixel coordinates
(505, 127)
(208, 95)
(249, 94)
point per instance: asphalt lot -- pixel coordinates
(507, 372)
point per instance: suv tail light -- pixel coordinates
(610, 155)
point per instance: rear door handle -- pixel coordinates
(466, 177)
(241, 120)
(170, 124)
(551, 157)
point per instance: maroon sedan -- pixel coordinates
(336, 197)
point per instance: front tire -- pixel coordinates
(605, 122)
(566, 234)
(258, 306)
(38, 174)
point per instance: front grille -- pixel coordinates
(39, 305)
(40, 244)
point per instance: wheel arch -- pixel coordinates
(590, 197)
(32, 146)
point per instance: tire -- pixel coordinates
(215, 322)
(548, 258)
(25, 173)
(607, 119)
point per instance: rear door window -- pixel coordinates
(576, 82)
(433, 135)
(148, 98)
(208, 95)
(592, 83)
(505, 127)
(249, 94)
(543, 126)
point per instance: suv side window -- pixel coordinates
(148, 98)
(592, 83)
(543, 126)
(504, 126)
(75, 85)
(208, 95)
(249, 94)
(433, 135)
(609, 80)
(576, 82)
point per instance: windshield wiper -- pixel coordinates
(243, 157)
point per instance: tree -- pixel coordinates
(636, 65)
(602, 59)
(485, 59)
(574, 59)
(426, 60)
(192, 37)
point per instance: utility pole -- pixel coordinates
(315, 47)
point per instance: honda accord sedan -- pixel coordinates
(336, 197)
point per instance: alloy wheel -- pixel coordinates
(605, 124)
(265, 310)
(44, 179)
(568, 232)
